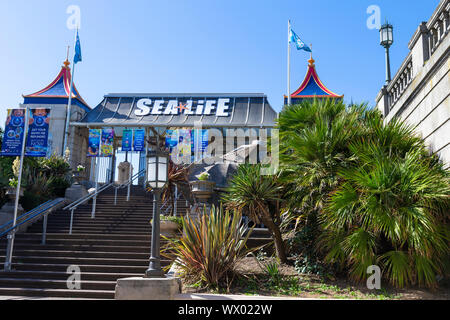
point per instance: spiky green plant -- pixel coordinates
(210, 247)
(254, 194)
(390, 209)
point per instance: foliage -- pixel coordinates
(391, 209)
(362, 192)
(203, 176)
(177, 220)
(54, 166)
(13, 182)
(257, 195)
(178, 175)
(210, 247)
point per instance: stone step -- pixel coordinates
(57, 275)
(63, 293)
(77, 260)
(56, 284)
(81, 254)
(62, 267)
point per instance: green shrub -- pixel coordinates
(209, 248)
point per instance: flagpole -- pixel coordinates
(289, 65)
(11, 236)
(69, 103)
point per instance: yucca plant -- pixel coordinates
(210, 247)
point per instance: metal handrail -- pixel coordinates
(35, 213)
(25, 214)
(82, 200)
(74, 205)
(127, 184)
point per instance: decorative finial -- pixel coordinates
(311, 60)
(67, 63)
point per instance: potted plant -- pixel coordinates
(12, 188)
(170, 226)
(78, 174)
(203, 187)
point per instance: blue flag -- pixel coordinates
(293, 37)
(77, 57)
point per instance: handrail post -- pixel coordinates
(44, 229)
(94, 204)
(71, 221)
(9, 246)
(115, 196)
(175, 202)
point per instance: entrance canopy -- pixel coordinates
(181, 110)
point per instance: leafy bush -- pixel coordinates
(58, 185)
(378, 195)
(210, 247)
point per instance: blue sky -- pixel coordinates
(200, 46)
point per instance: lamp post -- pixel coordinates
(386, 40)
(157, 176)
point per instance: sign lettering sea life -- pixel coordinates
(218, 107)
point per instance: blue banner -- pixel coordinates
(94, 142)
(37, 139)
(139, 140)
(200, 140)
(13, 135)
(127, 140)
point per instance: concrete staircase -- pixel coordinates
(116, 244)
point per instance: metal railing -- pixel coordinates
(127, 185)
(74, 205)
(31, 216)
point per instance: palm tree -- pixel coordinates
(256, 195)
(177, 176)
(314, 139)
(391, 209)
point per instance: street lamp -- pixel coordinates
(386, 40)
(157, 176)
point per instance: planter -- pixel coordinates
(202, 189)
(78, 176)
(11, 193)
(169, 229)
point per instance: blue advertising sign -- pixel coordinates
(13, 135)
(139, 140)
(127, 140)
(37, 140)
(94, 142)
(199, 143)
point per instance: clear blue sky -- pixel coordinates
(200, 46)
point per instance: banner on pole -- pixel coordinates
(107, 147)
(13, 135)
(37, 138)
(139, 140)
(183, 149)
(127, 140)
(200, 139)
(94, 142)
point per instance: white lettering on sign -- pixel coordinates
(143, 107)
(218, 107)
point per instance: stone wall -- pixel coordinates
(420, 91)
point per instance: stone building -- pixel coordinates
(419, 93)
